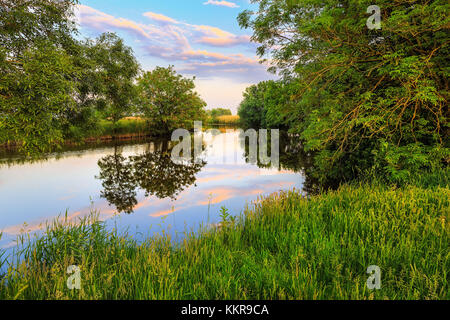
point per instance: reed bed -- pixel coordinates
(225, 120)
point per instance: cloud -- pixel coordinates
(222, 3)
(160, 18)
(100, 21)
(217, 37)
(174, 41)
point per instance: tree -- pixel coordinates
(217, 112)
(159, 176)
(369, 98)
(36, 90)
(117, 68)
(251, 110)
(269, 104)
(169, 101)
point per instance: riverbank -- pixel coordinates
(284, 247)
(126, 129)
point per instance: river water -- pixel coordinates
(136, 187)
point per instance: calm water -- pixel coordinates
(136, 186)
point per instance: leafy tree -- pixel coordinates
(251, 110)
(117, 69)
(169, 101)
(36, 90)
(366, 98)
(269, 104)
(217, 112)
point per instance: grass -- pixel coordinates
(285, 246)
(225, 120)
(123, 126)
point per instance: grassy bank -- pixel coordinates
(284, 247)
(225, 120)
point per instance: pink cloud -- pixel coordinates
(95, 19)
(221, 3)
(160, 18)
(172, 40)
(219, 38)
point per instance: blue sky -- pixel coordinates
(199, 37)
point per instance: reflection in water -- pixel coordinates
(153, 171)
(292, 157)
(119, 184)
(117, 176)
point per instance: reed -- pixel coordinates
(225, 120)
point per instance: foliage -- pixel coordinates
(270, 104)
(217, 112)
(52, 86)
(169, 101)
(117, 68)
(364, 99)
(36, 90)
(226, 120)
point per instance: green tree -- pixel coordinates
(217, 112)
(169, 101)
(368, 98)
(251, 110)
(36, 90)
(117, 69)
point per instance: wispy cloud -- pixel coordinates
(221, 3)
(172, 40)
(217, 37)
(95, 19)
(160, 18)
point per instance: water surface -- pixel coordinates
(136, 186)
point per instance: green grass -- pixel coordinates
(123, 126)
(283, 247)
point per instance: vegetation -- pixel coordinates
(169, 101)
(284, 247)
(360, 99)
(55, 88)
(225, 120)
(217, 112)
(37, 72)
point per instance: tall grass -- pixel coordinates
(284, 246)
(225, 120)
(123, 126)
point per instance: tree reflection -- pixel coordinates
(294, 158)
(119, 183)
(153, 172)
(158, 175)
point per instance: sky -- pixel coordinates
(200, 38)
